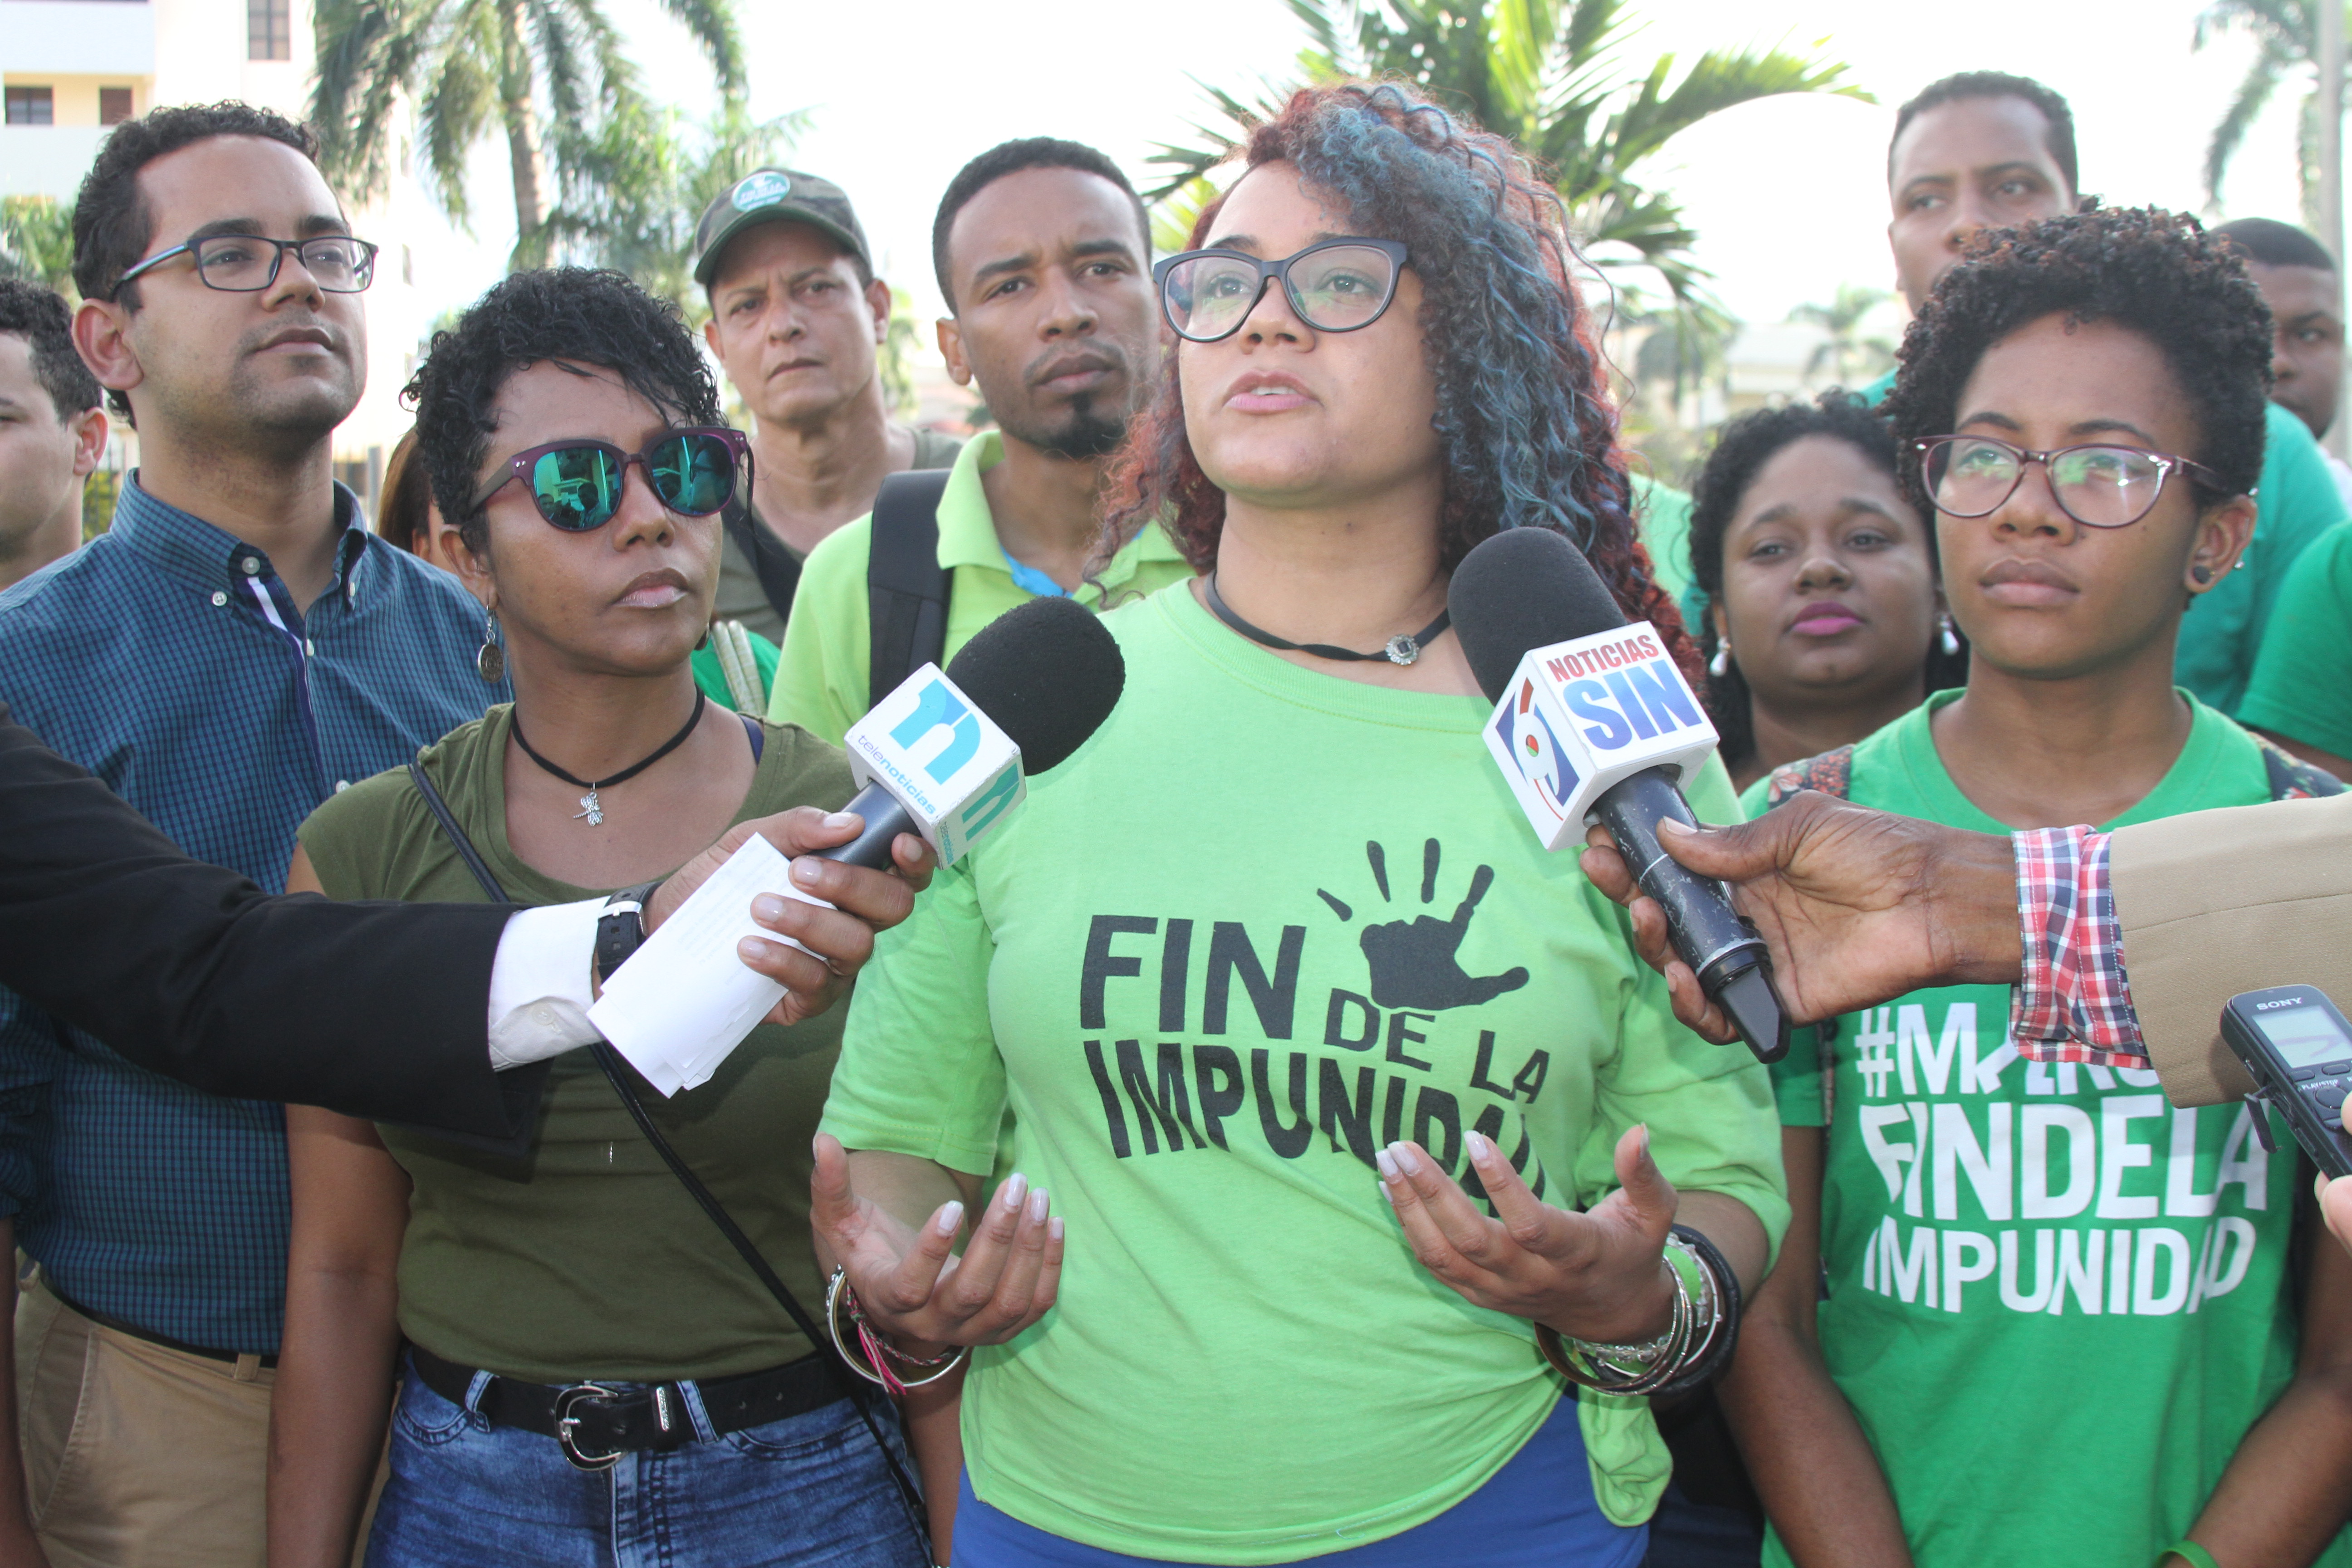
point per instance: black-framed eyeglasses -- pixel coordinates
(1336, 286)
(577, 484)
(2097, 486)
(249, 263)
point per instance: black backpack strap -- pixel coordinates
(779, 571)
(906, 587)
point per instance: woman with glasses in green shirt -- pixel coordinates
(1357, 1107)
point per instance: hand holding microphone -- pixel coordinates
(1593, 723)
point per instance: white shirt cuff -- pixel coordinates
(540, 984)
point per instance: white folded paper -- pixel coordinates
(684, 1001)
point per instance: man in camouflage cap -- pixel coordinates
(796, 318)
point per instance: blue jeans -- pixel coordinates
(808, 1490)
(1536, 1511)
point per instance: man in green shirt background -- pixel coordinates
(796, 316)
(1043, 258)
(1984, 150)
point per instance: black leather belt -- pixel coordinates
(107, 1321)
(596, 1422)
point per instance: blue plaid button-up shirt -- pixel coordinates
(167, 658)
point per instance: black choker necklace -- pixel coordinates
(1402, 649)
(592, 808)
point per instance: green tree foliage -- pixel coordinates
(1559, 77)
(552, 76)
(2285, 35)
(1850, 358)
(37, 241)
(633, 191)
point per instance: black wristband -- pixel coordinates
(1710, 1365)
(621, 929)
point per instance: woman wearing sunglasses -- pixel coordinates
(592, 1371)
(1282, 1060)
(2060, 1324)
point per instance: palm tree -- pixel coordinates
(37, 241)
(2285, 35)
(552, 75)
(1554, 77)
(1843, 351)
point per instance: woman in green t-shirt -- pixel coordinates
(593, 1373)
(2027, 1314)
(1824, 618)
(1284, 997)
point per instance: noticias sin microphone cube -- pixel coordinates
(1581, 716)
(931, 747)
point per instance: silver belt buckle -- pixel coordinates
(566, 1423)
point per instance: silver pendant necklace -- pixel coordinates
(592, 808)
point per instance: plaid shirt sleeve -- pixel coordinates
(2072, 1003)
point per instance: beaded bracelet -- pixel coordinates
(876, 1354)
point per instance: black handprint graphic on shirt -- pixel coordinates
(1413, 963)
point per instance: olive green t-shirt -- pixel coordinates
(583, 1258)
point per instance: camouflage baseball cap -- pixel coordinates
(775, 195)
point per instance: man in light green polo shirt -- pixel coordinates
(1043, 258)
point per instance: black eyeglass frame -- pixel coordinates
(365, 269)
(518, 466)
(1270, 270)
(1923, 449)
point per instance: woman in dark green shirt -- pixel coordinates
(591, 1365)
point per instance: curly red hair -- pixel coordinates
(1528, 433)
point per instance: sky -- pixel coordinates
(1788, 196)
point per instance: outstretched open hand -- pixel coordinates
(912, 1284)
(1599, 1275)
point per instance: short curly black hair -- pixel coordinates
(573, 315)
(111, 226)
(42, 319)
(2154, 272)
(1011, 158)
(1741, 450)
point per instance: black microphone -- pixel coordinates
(1527, 588)
(1046, 674)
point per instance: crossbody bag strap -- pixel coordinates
(610, 1060)
(906, 589)
(779, 573)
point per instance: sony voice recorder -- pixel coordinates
(2299, 1050)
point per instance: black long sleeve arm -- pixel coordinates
(372, 1009)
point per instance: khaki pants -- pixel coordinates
(136, 1456)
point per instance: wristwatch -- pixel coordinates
(621, 929)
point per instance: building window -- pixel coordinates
(31, 106)
(268, 29)
(114, 105)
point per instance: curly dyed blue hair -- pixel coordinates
(1523, 414)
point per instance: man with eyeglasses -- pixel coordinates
(1985, 149)
(1043, 254)
(236, 648)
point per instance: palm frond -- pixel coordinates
(2253, 95)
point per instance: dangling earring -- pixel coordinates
(490, 659)
(1950, 637)
(1720, 665)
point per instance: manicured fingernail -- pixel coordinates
(1480, 1150)
(1403, 1158)
(1016, 1187)
(1039, 1202)
(809, 871)
(1387, 1196)
(752, 950)
(950, 1216)
(767, 907)
(841, 819)
(1646, 1140)
(1387, 1162)
(1053, 1228)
